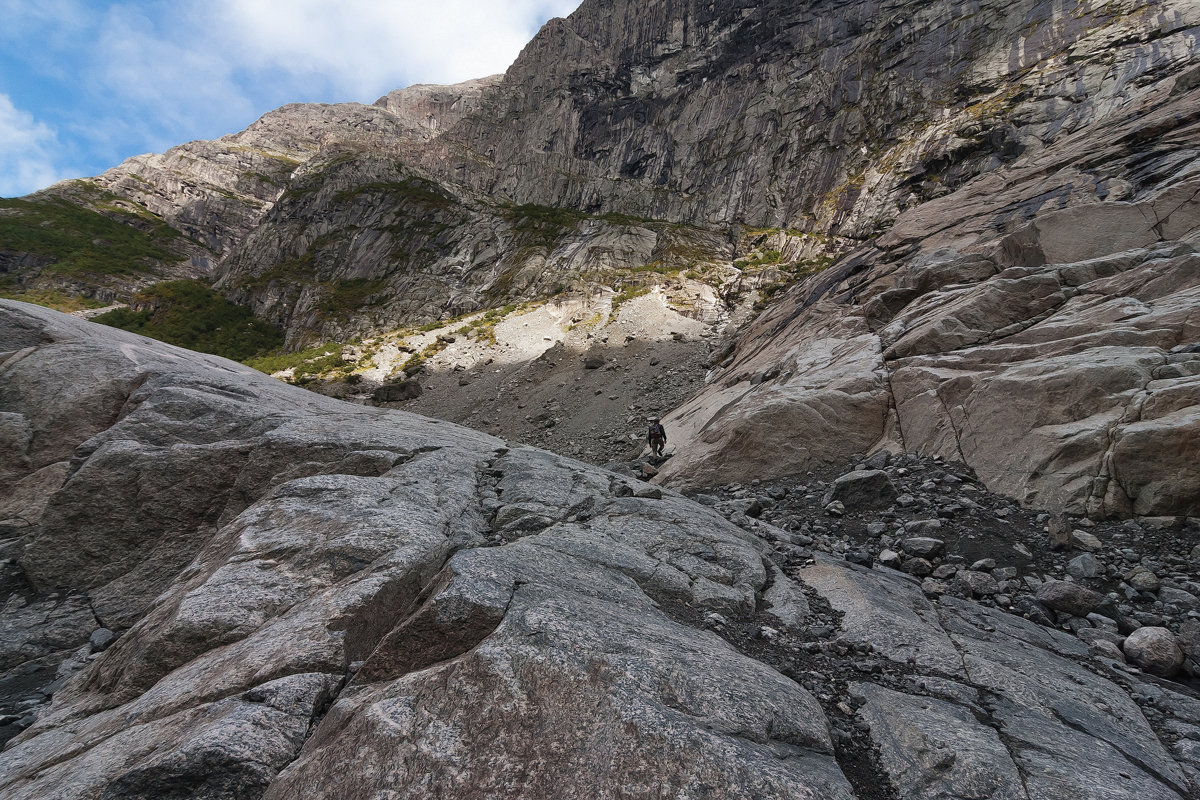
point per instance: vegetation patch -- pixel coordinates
(346, 296)
(51, 298)
(762, 258)
(413, 190)
(188, 314)
(82, 241)
(542, 225)
(305, 363)
(626, 294)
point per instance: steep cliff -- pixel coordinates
(1039, 323)
(824, 117)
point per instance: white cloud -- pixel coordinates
(27, 152)
(172, 81)
(121, 77)
(368, 47)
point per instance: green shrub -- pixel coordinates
(413, 190)
(542, 225)
(50, 298)
(188, 314)
(346, 296)
(81, 241)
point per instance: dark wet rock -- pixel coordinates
(863, 490)
(397, 392)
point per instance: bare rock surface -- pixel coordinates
(1070, 386)
(372, 601)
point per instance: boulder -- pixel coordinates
(1142, 579)
(1155, 650)
(1085, 541)
(1069, 597)
(923, 546)
(1189, 639)
(1084, 566)
(889, 558)
(863, 490)
(968, 583)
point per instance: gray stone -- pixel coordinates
(889, 558)
(918, 527)
(1179, 599)
(1142, 579)
(1189, 638)
(1069, 597)
(1155, 650)
(101, 639)
(931, 748)
(1085, 540)
(919, 567)
(932, 587)
(969, 583)
(863, 490)
(923, 546)
(1106, 649)
(1084, 566)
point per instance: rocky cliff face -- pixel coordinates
(828, 117)
(831, 116)
(312, 598)
(1029, 324)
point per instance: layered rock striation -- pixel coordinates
(1028, 324)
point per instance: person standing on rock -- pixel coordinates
(656, 437)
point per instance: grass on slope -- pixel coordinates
(50, 298)
(188, 314)
(82, 241)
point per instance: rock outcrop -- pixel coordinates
(1052, 349)
(340, 601)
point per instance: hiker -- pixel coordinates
(657, 438)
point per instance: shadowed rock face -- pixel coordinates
(333, 601)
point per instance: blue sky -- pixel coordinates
(86, 84)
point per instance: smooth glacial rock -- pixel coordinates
(355, 613)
